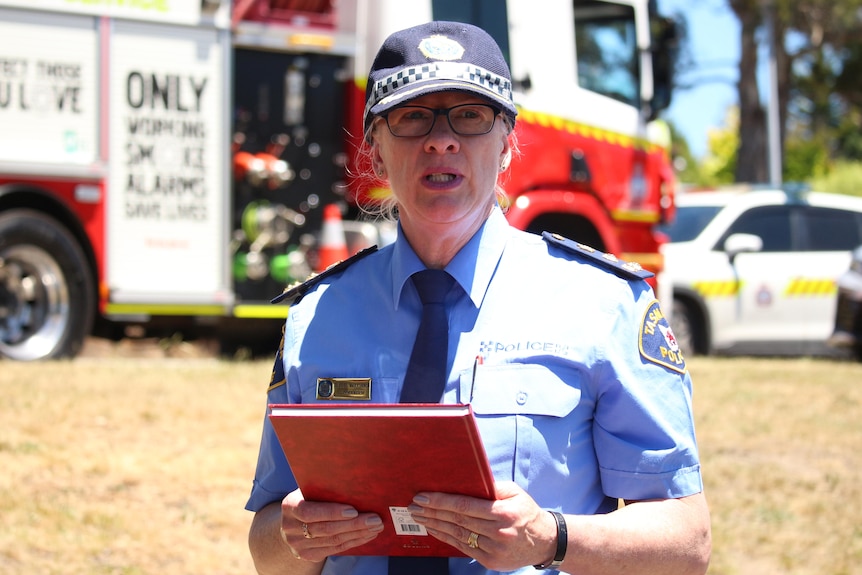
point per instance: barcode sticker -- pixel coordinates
(404, 523)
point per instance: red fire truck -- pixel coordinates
(167, 164)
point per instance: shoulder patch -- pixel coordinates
(610, 262)
(657, 342)
(277, 378)
(293, 293)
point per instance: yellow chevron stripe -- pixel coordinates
(801, 287)
(165, 309)
(798, 287)
(640, 216)
(263, 311)
(592, 132)
(721, 288)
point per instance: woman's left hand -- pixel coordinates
(502, 535)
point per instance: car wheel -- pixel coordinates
(682, 324)
(47, 299)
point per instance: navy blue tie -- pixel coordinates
(424, 383)
(426, 372)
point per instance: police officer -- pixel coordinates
(580, 394)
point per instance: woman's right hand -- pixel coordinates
(313, 530)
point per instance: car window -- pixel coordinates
(829, 229)
(770, 223)
(689, 222)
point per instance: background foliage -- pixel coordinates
(819, 61)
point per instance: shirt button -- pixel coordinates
(521, 398)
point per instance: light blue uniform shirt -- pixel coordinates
(567, 403)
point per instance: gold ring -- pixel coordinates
(473, 540)
(305, 532)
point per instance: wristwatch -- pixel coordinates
(562, 543)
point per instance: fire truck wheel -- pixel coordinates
(47, 298)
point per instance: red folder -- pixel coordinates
(376, 457)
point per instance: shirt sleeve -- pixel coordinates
(644, 428)
(273, 479)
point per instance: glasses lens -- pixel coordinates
(466, 120)
(472, 119)
(410, 121)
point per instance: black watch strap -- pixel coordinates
(562, 543)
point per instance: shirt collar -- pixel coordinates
(472, 267)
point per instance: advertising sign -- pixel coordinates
(165, 195)
(48, 97)
(174, 11)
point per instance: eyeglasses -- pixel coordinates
(465, 120)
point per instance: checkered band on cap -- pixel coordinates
(436, 57)
(484, 79)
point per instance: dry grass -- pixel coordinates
(142, 465)
(780, 442)
(128, 466)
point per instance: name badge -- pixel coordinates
(357, 388)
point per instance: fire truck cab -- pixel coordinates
(172, 164)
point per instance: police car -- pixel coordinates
(754, 271)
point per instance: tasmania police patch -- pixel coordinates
(657, 342)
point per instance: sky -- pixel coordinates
(713, 37)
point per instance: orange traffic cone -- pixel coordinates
(333, 243)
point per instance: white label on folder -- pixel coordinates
(404, 523)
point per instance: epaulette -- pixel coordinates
(627, 270)
(293, 293)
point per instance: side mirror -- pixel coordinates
(736, 244)
(665, 50)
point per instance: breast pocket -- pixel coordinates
(527, 416)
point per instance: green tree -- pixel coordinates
(847, 86)
(843, 178)
(719, 165)
(752, 165)
(685, 165)
(819, 60)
